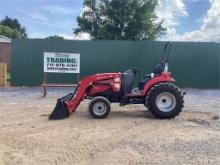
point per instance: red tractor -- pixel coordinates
(156, 91)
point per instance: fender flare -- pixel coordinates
(156, 80)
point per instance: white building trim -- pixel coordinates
(5, 39)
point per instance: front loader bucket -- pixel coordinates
(60, 111)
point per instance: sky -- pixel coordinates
(185, 20)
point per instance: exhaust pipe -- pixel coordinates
(60, 111)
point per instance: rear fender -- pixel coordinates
(163, 77)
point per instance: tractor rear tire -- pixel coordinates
(165, 101)
(99, 107)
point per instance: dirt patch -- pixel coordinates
(199, 121)
(215, 117)
(130, 135)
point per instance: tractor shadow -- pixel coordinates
(131, 114)
(115, 114)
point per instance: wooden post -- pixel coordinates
(45, 77)
(44, 85)
(3, 74)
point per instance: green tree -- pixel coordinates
(15, 25)
(120, 20)
(55, 37)
(9, 32)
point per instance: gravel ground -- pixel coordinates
(130, 135)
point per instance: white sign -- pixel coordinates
(61, 62)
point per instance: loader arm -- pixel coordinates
(102, 79)
(79, 95)
(69, 103)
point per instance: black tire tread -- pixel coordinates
(96, 99)
(150, 100)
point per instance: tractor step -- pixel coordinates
(132, 101)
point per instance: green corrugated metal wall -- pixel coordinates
(193, 65)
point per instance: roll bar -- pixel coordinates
(166, 53)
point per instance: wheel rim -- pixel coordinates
(99, 108)
(166, 101)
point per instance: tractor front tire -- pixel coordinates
(165, 101)
(99, 107)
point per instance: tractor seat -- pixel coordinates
(158, 69)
